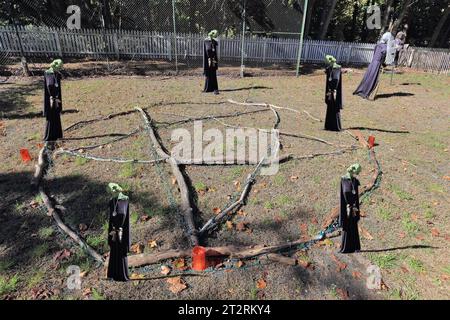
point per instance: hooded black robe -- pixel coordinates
(334, 106)
(349, 215)
(370, 80)
(120, 245)
(52, 112)
(210, 65)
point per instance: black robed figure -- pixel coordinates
(118, 236)
(333, 95)
(349, 213)
(53, 102)
(210, 63)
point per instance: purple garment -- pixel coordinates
(370, 80)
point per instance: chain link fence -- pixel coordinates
(154, 36)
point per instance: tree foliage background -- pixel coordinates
(342, 20)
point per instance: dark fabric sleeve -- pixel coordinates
(126, 229)
(46, 99)
(205, 59)
(59, 92)
(357, 184)
(110, 226)
(343, 209)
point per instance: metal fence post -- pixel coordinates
(175, 35)
(305, 10)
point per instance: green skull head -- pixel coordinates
(56, 65)
(354, 170)
(331, 61)
(213, 34)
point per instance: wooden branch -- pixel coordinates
(41, 166)
(53, 212)
(231, 251)
(101, 159)
(213, 222)
(186, 207)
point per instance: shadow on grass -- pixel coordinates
(401, 248)
(395, 94)
(14, 99)
(379, 130)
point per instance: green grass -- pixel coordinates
(81, 161)
(429, 214)
(284, 200)
(200, 187)
(254, 294)
(96, 295)
(279, 180)
(40, 250)
(434, 187)
(384, 261)
(46, 232)
(34, 137)
(36, 279)
(416, 265)
(8, 286)
(268, 205)
(237, 172)
(403, 195)
(410, 226)
(134, 217)
(96, 241)
(446, 270)
(384, 214)
(128, 170)
(6, 264)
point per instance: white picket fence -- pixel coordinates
(38, 41)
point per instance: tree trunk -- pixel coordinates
(402, 15)
(354, 19)
(387, 14)
(438, 29)
(325, 26)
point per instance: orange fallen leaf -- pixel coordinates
(341, 266)
(239, 264)
(293, 178)
(176, 285)
(137, 248)
(365, 233)
(241, 213)
(229, 225)
(447, 178)
(402, 235)
(165, 270)
(241, 226)
(217, 210)
(342, 293)
(435, 232)
(62, 255)
(261, 284)
(304, 229)
(314, 220)
(356, 274)
(303, 263)
(152, 243)
(86, 292)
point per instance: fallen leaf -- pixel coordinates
(414, 217)
(365, 233)
(363, 214)
(239, 264)
(340, 265)
(435, 232)
(420, 237)
(87, 292)
(314, 220)
(326, 242)
(261, 284)
(404, 269)
(229, 225)
(61, 255)
(83, 274)
(237, 184)
(447, 178)
(217, 210)
(303, 263)
(176, 285)
(34, 204)
(293, 178)
(165, 270)
(343, 293)
(174, 181)
(180, 264)
(41, 293)
(242, 213)
(277, 219)
(402, 235)
(356, 274)
(136, 276)
(137, 248)
(241, 226)
(212, 189)
(304, 229)
(82, 227)
(144, 218)
(152, 243)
